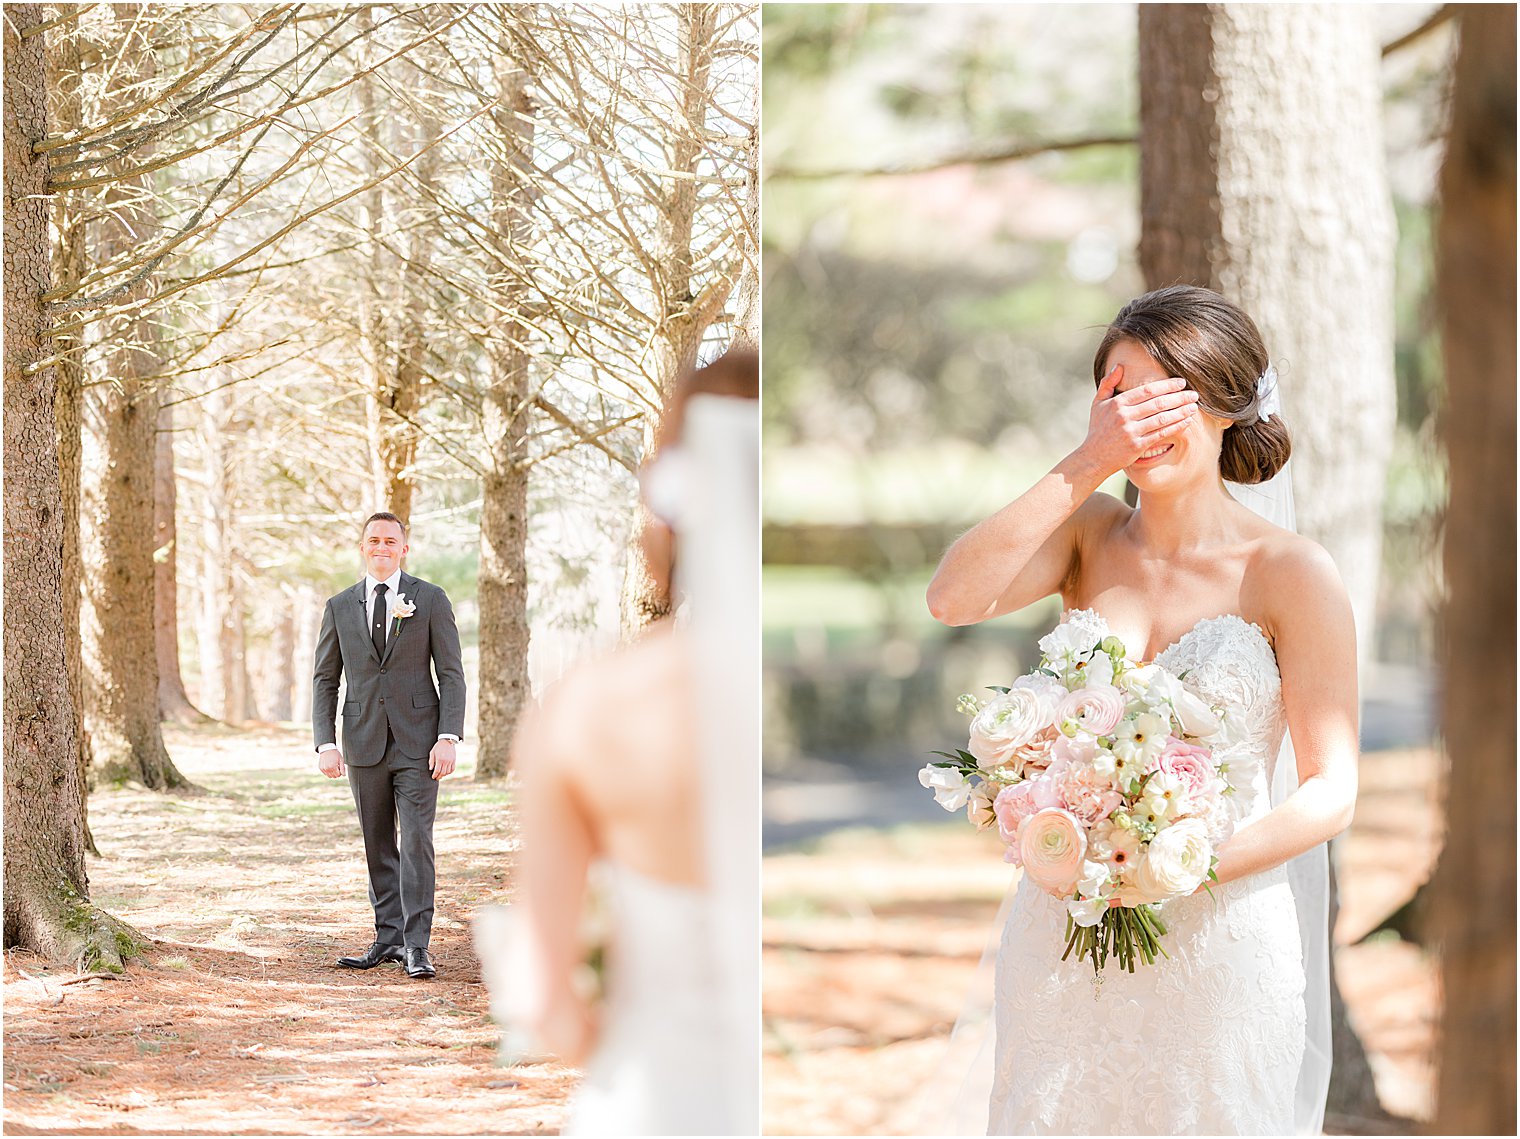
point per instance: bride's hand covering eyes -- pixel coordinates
(1122, 426)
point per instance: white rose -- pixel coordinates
(951, 788)
(1006, 723)
(1176, 862)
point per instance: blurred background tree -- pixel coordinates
(957, 200)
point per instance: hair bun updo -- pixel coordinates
(1215, 346)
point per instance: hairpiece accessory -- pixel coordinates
(1268, 403)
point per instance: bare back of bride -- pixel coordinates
(1228, 1032)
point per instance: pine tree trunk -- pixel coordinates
(117, 623)
(686, 316)
(214, 579)
(46, 890)
(1268, 183)
(1475, 282)
(280, 675)
(503, 583)
(70, 261)
(173, 702)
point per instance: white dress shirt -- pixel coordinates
(392, 584)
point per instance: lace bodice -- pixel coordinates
(1229, 662)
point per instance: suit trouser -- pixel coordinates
(398, 789)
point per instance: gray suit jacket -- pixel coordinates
(396, 689)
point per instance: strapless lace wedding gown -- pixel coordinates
(660, 1062)
(1207, 1041)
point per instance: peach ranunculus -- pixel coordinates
(1096, 709)
(1194, 766)
(1051, 846)
(1005, 723)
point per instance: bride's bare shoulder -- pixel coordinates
(1295, 579)
(592, 705)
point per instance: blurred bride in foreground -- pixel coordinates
(640, 775)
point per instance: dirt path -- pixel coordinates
(237, 1021)
(872, 940)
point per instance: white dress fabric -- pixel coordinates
(660, 1064)
(1208, 1040)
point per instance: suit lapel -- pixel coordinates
(361, 618)
(404, 589)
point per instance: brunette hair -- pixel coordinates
(1212, 344)
(382, 516)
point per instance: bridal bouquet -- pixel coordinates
(1100, 777)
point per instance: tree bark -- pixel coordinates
(685, 316)
(71, 259)
(1475, 283)
(214, 581)
(173, 702)
(503, 583)
(1268, 184)
(46, 889)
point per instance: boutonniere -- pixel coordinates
(403, 608)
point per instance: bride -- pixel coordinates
(635, 786)
(1229, 1034)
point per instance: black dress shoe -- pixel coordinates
(419, 965)
(373, 956)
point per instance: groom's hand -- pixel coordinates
(330, 763)
(441, 759)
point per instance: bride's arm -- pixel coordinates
(1025, 551)
(1316, 655)
(558, 846)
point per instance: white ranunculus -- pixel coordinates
(1050, 691)
(1176, 861)
(951, 788)
(1005, 724)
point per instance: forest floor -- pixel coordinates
(872, 938)
(237, 1020)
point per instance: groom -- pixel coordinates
(399, 731)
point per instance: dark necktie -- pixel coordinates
(377, 624)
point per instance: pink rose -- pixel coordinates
(1051, 845)
(1193, 765)
(1097, 708)
(1016, 803)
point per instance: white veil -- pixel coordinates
(968, 1061)
(718, 567)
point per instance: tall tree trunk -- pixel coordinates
(1475, 282)
(46, 889)
(280, 675)
(503, 584)
(214, 581)
(121, 427)
(71, 260)
(1268, 184)
(308, 608)
(685, 315)
(173, 701)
